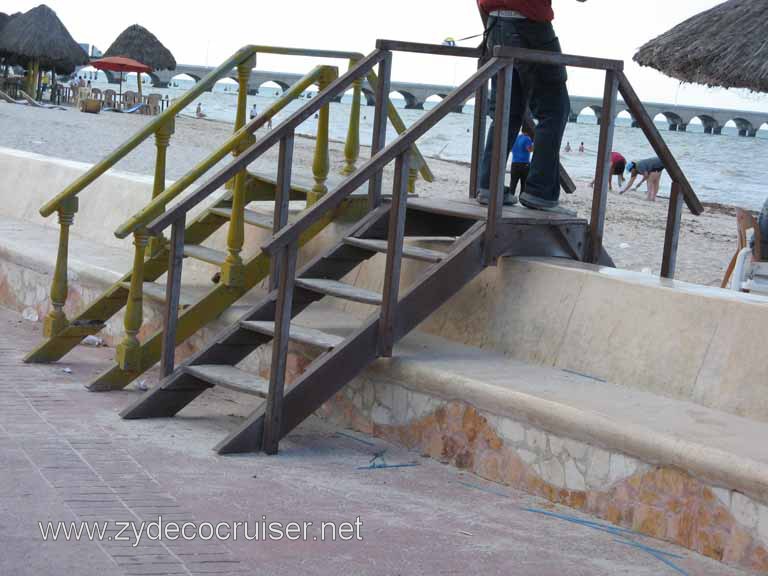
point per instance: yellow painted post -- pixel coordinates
(129, 350)
(162, 140)
(56, 320)
(413, 171)
(232, 271)
(352, 146)
(321, 164)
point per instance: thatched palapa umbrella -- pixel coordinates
(725, 46)
(138, 43)
(38, 40)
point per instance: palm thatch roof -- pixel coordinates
(140, 44)
(39, 35)
(4, 19)
(725, 46)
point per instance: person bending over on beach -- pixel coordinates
(521, 161)
(618, 165)
(199, 111)
(650, 169)
(254, 112)
(528, 24)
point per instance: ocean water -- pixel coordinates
(727, 169)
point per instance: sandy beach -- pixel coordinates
(634, 227)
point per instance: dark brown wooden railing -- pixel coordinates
(283, 247)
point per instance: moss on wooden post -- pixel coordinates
(232, 270)
(129, 350)
(56, 320)
(162, 141)
(352, 146)
(413, 171)
(321, 164)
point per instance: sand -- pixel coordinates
(634, 232)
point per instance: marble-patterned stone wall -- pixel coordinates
(657, 500)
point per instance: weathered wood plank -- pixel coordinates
(603, 170)
(230, 377)
(172, 296)
(412, 252)
(672, 235)
(340, 290)
(205, 254)
(301, 334)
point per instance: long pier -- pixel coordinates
(416, 95)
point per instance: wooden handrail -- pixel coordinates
(331, 200)
(93, 173)
(151, 210)
(434, 49)
(645, 122)
(336, 88)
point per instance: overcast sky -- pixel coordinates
(201, 33)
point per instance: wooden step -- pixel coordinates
(230, 377)
(308, 336)
(156, 292)
(412, 252)
(252, 217)
(339, 290)
(205, 254)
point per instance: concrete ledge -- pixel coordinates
(666, 468)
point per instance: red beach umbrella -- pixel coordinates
(120, 64)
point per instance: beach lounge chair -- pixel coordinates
(748, 269)
(5, 98)
(132, 110)
(35, 104)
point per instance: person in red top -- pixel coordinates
(542, 88)
(618, 166)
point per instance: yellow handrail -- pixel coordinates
(78, 185)
(156, 206)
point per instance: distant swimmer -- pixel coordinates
(567, 149)
(581, 148)
(650, 169)
(199, 111)
(618, 165)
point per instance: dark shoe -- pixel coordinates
(483, 196)
(535, 203)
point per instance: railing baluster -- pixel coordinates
(395, 234)
(56, 319)
(352, 146)
(274, 410)
(321, 165)
(172, 296)
(162, 140)
(282, 198)
(672, 235)
(380, 126)
(129, 350)
(499, 161)
(478, 135)
(603, 170)
(232, 269)
(413, 171)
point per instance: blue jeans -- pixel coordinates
(543, 89)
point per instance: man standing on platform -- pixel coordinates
(528, 24)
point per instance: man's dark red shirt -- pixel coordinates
(536, 10)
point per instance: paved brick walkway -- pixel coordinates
(65, 455)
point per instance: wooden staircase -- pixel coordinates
(521, 232)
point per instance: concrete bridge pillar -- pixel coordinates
(752, 133)
(743, 132)
(573, 118)
(717, 130)
(635, 124)
(682, 127)
(673, 127)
